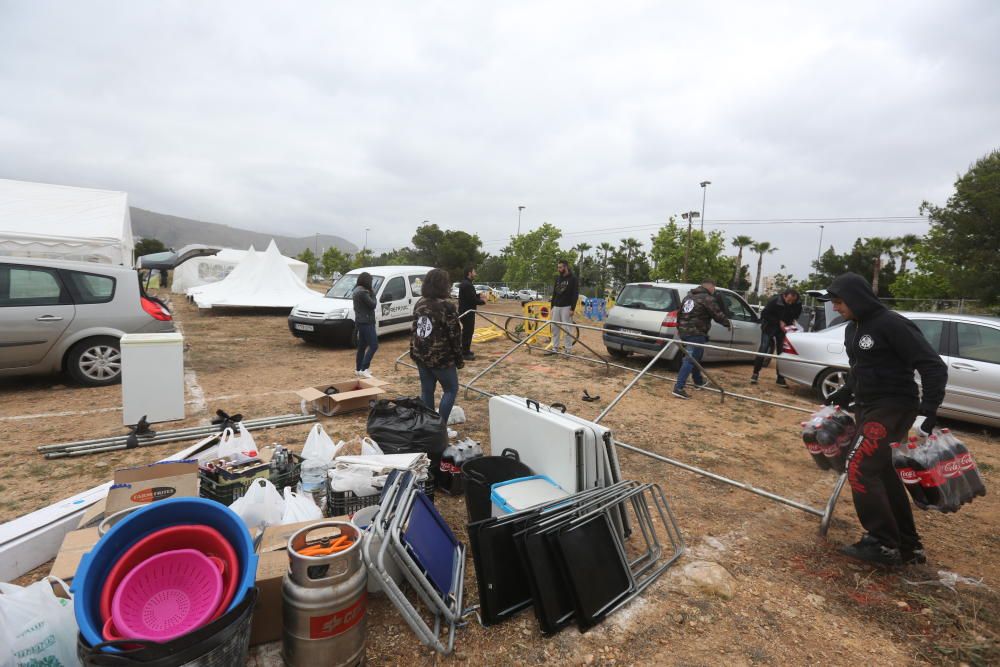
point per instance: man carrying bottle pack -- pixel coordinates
(884, 349)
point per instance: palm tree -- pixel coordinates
(581, 250)
(762, 248)
(631, 247)
(906, 245)
(739, 242)
(882, 247)
(608, 249)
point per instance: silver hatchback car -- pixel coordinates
(67, 316)
(651, 309)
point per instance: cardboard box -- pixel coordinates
(145, 484)
(271, 568)
(75, 544)
(351, 395)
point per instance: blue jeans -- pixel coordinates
(688, 367)
(448, 377)
(367, 346)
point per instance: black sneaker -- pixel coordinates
(781, 382)
(916, 556)
(468, 356)
(871, 551)
(753, 379)
(700, 386)
(680, 393)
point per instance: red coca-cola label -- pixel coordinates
(339, 622)
(814, 448)
(908, 475)
(951, 468)
(930, 478)
(966, 462)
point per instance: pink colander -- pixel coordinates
(167, 596)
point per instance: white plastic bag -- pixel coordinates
(369, 447)
(299, 507)
(319, 446)
(457, 415)
(359, 481)
(36, 626)
(237, 447)
(260, 505)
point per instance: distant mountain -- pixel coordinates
(176, 232)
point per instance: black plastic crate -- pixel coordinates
(226, 492)
(340, 503)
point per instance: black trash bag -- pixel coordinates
(405, 425)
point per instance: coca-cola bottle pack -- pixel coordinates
(945, 468)
(828, 436)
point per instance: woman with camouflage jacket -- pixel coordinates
(436, 341)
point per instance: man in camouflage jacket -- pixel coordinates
(697, 311)
(436, 347)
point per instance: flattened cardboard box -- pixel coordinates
(75, 544)
(271, 567)
(350, 395)
(143, 485)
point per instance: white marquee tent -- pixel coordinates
(204, 270)
(58, 221)
(261, 280)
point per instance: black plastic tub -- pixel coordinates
(482, 473)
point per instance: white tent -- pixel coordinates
(213, 268)
(58, 221)
(261, 280)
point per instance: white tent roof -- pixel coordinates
(58, 221)
(200, 271)
(261, 280)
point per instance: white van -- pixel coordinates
(330, 318)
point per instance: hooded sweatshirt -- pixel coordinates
(884, 349)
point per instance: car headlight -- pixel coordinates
(336, 314)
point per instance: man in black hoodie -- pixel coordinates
(781, 311)
(468, 299)
(884, 349)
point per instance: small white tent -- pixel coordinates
(204, 270)
(261, 280)
(58, 221)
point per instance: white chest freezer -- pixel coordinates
(152, 377)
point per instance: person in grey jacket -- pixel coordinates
(364, 320)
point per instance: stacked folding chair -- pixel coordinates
(576, 559)
(421, 545)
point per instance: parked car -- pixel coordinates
(528, 295)
(651, 309)
(969, 344)
(330, 318)
(454, 290)
(504, 293)
(63, 316)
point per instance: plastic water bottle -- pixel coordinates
(313, 480)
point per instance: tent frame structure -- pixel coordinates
(825, 514)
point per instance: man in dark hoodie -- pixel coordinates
(781, 311)
(468, 300)
(884, 349)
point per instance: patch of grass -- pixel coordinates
(39, 469)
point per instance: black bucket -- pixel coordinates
(482, 473)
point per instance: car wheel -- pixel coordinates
(95, 362)
(618, 354)
(829, 381)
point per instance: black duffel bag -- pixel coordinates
(405, 425)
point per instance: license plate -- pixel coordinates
(631, 331)
(305, 327)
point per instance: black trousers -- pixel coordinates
(766, 341)
(880, 499)
(468, 328)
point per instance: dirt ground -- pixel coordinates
(795, 601)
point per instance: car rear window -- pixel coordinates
(90, 287)
(648, 297)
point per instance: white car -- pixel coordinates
(968, 344)
(528, 295)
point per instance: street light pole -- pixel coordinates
(690, 217)
(365, 246)
(704, 191)
(819, 248)
(519, 209)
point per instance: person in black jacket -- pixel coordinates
(468, 299)
(782, 310)
(364, 320)
(884, 349)
(565, 294)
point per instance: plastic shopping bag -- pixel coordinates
(261, 505)
(319, 446)
(370, 448)
(457, 415)
(36, 627)
(237, 447)
(299, 507)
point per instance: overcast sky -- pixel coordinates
(331, 117)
